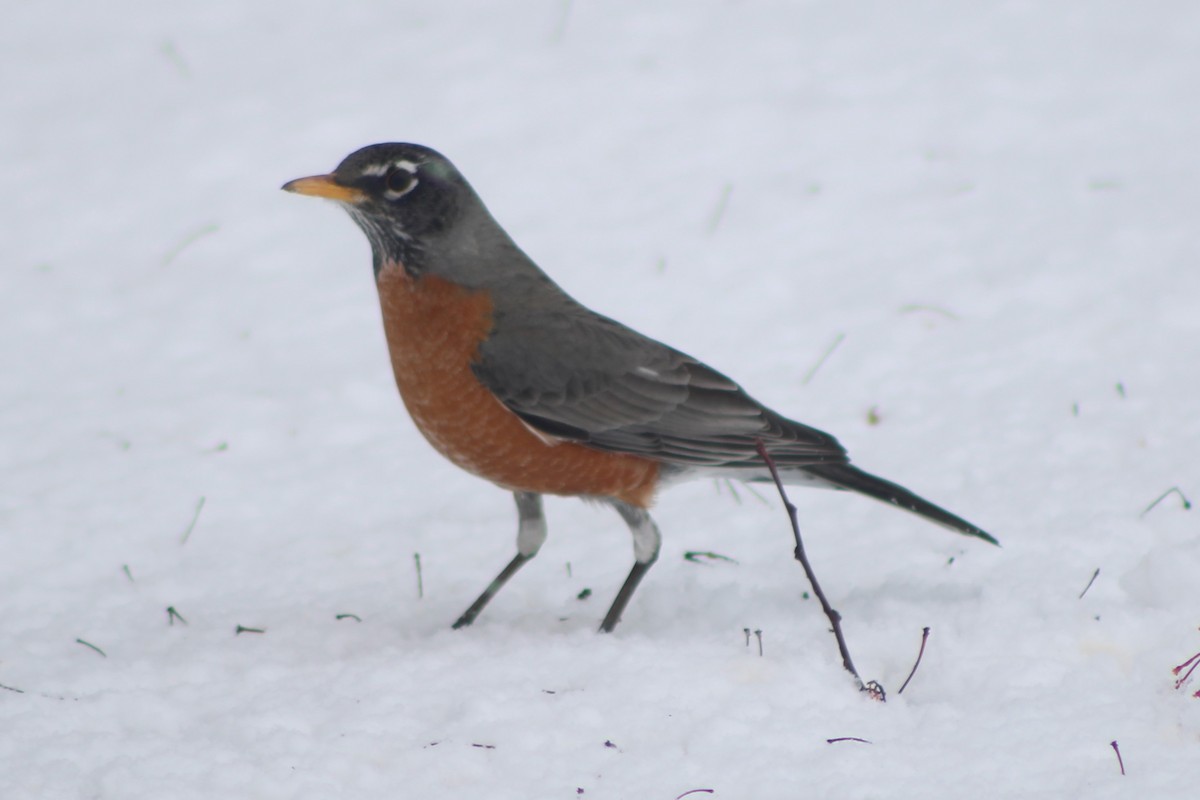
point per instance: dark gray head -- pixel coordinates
(417, 210)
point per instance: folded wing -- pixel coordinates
(575, 375)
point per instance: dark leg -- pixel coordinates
(471, 613)
(646, 543)
(531, 533)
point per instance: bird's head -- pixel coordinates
(415, 207)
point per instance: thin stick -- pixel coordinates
(700, 556)
(1187, 675)
(1191, 665)
(92, 646)
(847, 739)
(758, 635)
(420, 582)
(1117, 750)
(835, 619)
(1095, 575)
(808, 376)
(1187, 504)
(693, 791)
(195, 516)
(921, 652)
(173, 615)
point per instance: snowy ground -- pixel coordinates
(995, 204)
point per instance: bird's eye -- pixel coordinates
(398, 181)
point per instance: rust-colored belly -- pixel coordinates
(434, 329)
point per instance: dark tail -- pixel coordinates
(845, 476)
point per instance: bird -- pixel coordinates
(515, 381)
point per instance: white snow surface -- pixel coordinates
(994, 205)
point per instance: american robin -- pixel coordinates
(515, 381)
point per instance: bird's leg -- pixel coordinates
(646, 543)
(531, 533)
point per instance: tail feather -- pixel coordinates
(844, 476)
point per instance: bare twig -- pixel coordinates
(847, 739)
(917, 663)
(835, 619)
(808, 376)
(1191, 665)
(1187, 504)
(354, 617)
(240, 629)
(1117, 750)
(420, 582)
(1095, 575)
(693, 791)
(173, 615)
(1187, 676)
(758, 636)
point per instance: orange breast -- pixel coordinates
(434, 329)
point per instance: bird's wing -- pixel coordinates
(575, 375)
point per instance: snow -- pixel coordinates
(993, 204)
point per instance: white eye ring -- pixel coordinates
(400, 180)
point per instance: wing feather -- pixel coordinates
(573, 374)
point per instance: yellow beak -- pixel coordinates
(325, 186)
